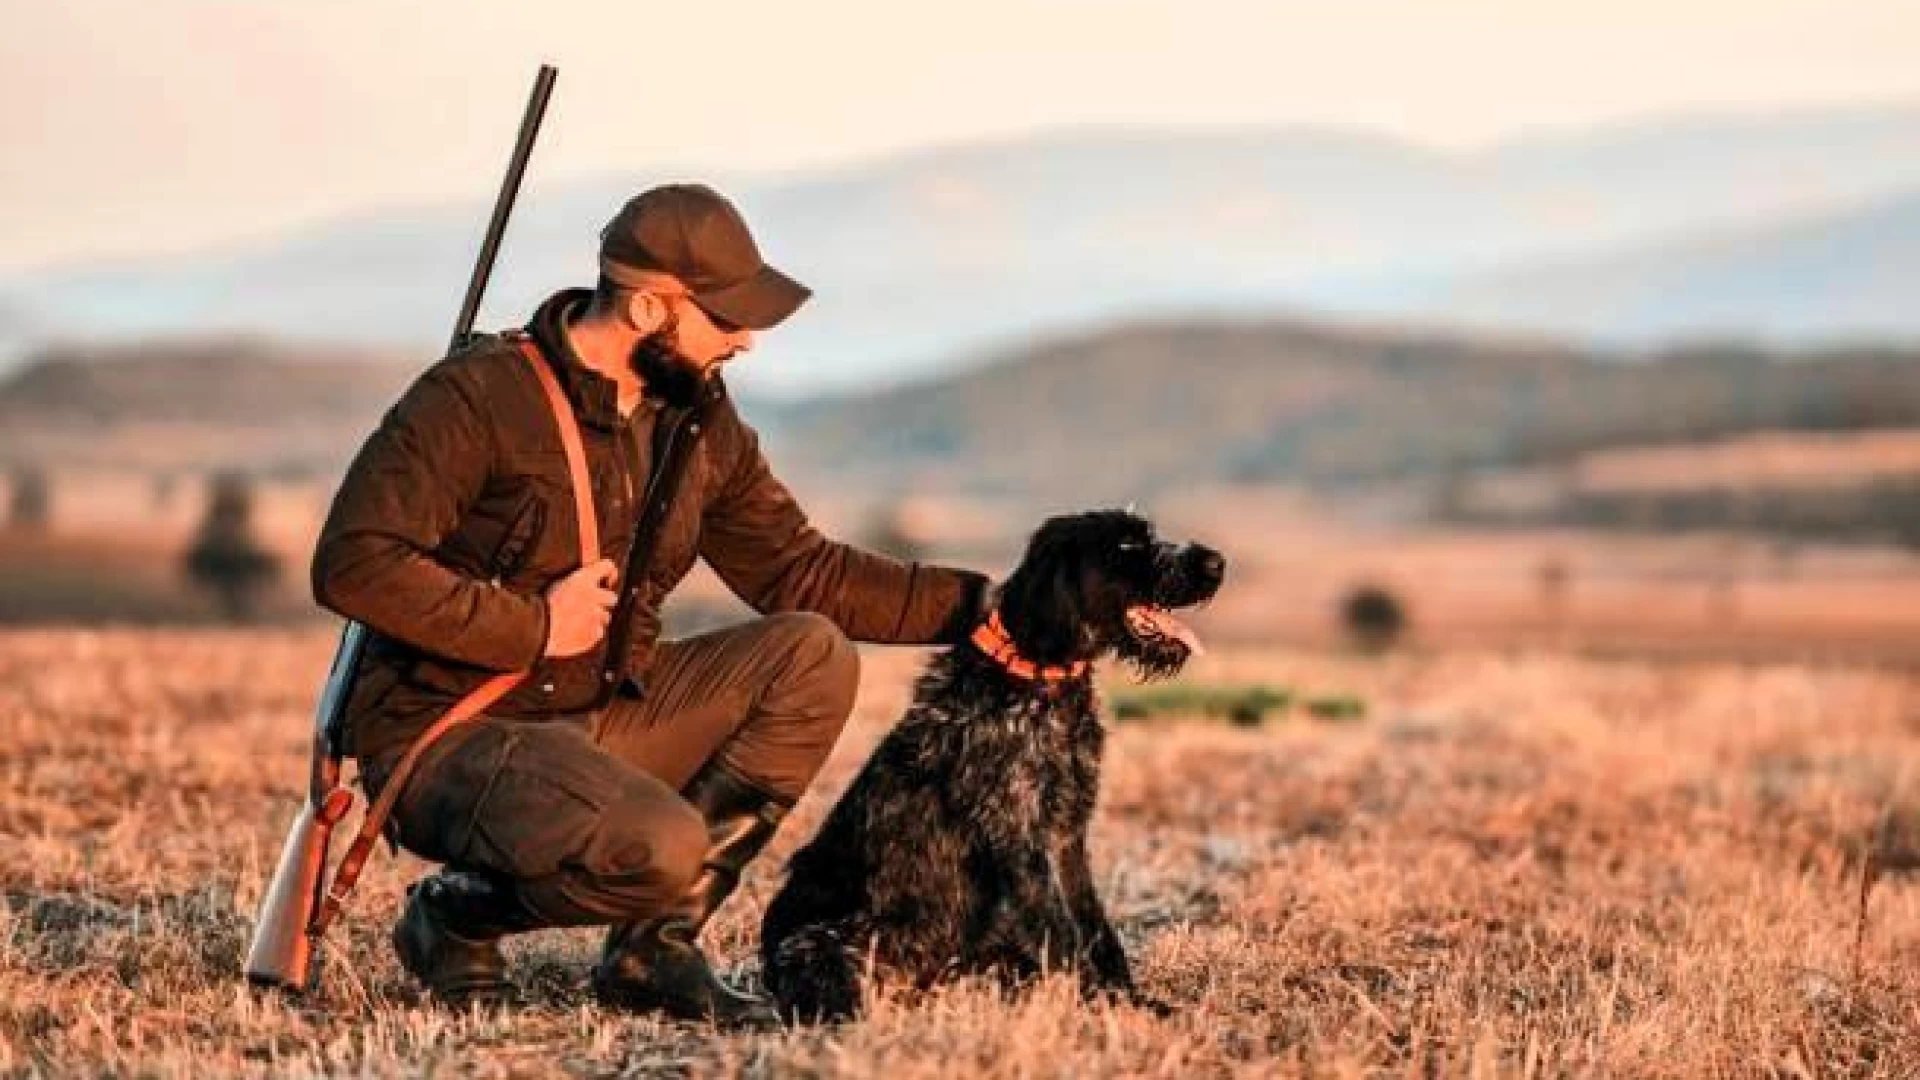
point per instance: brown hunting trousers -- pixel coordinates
(585, 815)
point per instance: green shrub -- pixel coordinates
(1336, 708)
(1241, 706)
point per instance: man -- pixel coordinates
(626, 781)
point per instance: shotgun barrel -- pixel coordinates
(503, 205)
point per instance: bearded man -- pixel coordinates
(627, 780)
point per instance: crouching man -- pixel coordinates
(626, 781)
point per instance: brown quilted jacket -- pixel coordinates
(457, 513)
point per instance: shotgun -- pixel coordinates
(286, 932)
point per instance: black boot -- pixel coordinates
(449, 936)
(656, 964)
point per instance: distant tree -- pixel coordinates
(225, 557)
(1554, 579)
(30, 502)
(1373, 617)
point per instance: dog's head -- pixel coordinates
(1102, 582)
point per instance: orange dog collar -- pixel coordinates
(990, 637)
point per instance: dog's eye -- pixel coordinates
(1132, 545)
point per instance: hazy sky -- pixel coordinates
(137, 127)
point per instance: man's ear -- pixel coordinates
(644, 311)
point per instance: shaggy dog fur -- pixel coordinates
(962, 846)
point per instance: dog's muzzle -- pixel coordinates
(1193, 576)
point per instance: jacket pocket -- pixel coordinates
(434, 816)
(450, 678)
(553, 685)
(516, 545)
(568, 684)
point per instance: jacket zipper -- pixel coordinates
(653, 511)
(626, 473)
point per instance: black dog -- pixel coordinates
(961, 847)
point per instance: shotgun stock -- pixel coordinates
(287, 930)
(283, 945)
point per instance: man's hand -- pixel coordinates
(579, 607)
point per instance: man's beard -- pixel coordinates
(666, 372)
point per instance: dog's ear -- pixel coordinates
(1041, 602)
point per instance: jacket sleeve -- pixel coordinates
(407, 489)
(755, 536)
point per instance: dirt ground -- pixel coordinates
(1515, 864)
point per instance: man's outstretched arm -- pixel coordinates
(406, 490)
(757, 538)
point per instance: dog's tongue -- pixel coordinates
(1161, 621)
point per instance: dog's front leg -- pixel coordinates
(1102, 959)
(1030, 929)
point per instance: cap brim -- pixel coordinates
(761, 302)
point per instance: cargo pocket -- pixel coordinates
(434, 815)
(542, 806)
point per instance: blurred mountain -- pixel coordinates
(1849, 273)
(921, 261)
(197, 404)
(1151, 409)
(212, 381)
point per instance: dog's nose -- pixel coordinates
(1212, 564)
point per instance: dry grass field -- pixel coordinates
(1514, 865)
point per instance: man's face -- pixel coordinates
(688, 351)
(702, 340)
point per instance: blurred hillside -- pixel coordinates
(1154, 408)
(197, 404)
(921, 261)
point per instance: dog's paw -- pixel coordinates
(1148, 1003)
(1131, 997)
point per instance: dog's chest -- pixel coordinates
(1039, 760)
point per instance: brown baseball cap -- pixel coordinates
(692, 232)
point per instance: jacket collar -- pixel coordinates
(594, 396)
